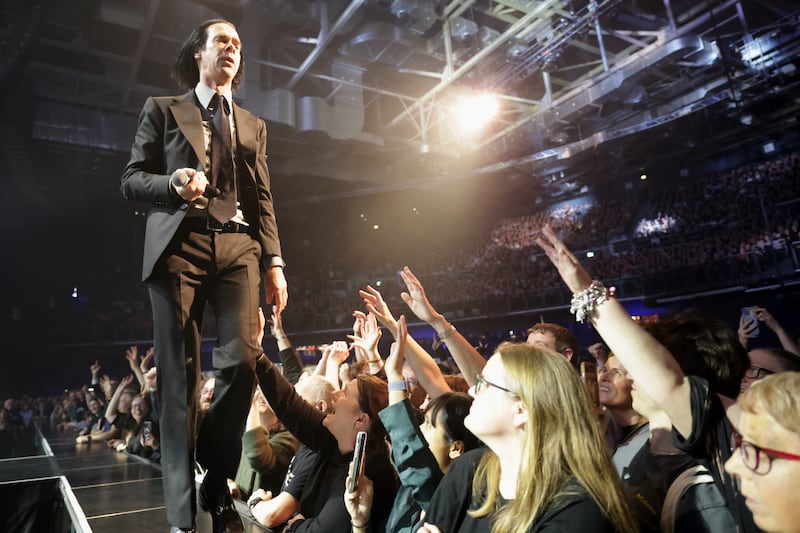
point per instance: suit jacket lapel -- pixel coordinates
(190, 121)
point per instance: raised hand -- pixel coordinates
(132, 355)
(394, 363)
(568, 266)
(144, 364)
(765, 317)
(415, 297)
(369, 335)
(105, 384)
(151, 379)
(338, 351)
(376, 305)
(95, 368)
(124, 382)
(745, 331)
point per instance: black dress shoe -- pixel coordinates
(219, 504)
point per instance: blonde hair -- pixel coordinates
(778, 395)
(562, 442)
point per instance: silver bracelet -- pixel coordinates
(585, 302)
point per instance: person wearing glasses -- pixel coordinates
(546, 468)
(767, 458)
(690, 366)
(767, 361)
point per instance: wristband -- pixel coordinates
(397, 386)
(358, 526)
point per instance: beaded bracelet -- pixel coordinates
(585, 302)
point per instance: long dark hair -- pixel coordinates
(704, 346)
(373, 396)
(185, 72)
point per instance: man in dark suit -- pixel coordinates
(201, 160)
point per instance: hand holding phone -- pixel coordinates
(750, 319)
(147, 430)
(357, 466)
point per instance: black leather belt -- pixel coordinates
(211, 225)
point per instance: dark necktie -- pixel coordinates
(222, 207)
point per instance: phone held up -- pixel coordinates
(750, 316)
(357, 466)
(589, 377)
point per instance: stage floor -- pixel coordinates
(115, 493)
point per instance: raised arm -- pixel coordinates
(365, 337)
(785, 339)
(469, 361)
(647, 361)
(292, 366)
(111, 410)
(132, 355)
(426, 369)
(338, 351)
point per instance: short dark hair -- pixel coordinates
(449, 410)
(704, 346)
(564, 337)
(184, 70)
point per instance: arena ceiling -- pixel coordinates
(359, 95)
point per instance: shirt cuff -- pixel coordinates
(276, 261)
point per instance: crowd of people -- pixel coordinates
(677, 427)
(468, 428)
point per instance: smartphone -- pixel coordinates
(147, 429)
(749, 316)
(358, 461)
(589, 376)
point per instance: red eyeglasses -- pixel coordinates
(757, 458)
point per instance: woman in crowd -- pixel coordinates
(693, 392)
(767, 458)
(421, 453)
(614, 388)
(546, 466)
(355, 408)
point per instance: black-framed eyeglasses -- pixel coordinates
(757, 458)
(481, 383)
(756, 372)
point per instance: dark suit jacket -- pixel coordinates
(170, 137)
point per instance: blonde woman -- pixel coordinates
(546, 466)
(767, 459)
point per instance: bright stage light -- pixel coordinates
(475, 111)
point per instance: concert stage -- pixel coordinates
(68, 487)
